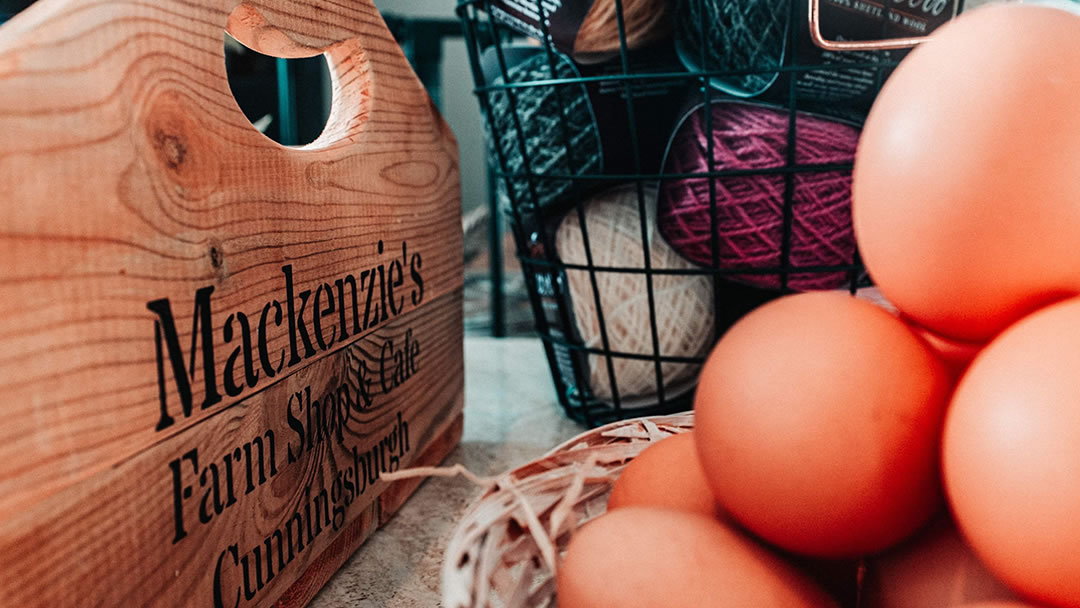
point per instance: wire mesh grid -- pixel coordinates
(566, 172)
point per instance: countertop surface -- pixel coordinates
(511, 418)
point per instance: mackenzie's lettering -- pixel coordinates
(316, 320)
(165, 328)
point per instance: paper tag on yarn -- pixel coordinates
(561, 19)
(860, 20)
(865, 20)
(743, 42)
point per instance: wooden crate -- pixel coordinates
(211, 346)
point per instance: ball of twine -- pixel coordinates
(683, 303)
(558, 133)
(644, 22)
(739, 35)
(750, 209)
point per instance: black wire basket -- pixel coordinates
(587, 152)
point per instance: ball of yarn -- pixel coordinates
(644, 22)
(683, 303)
(750, 208)
(558, 134)
(739, 35)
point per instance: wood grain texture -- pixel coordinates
(128, 174)
(171, 278)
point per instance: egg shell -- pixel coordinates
(955, 354)
(965, 191)
(819, 423)
(935, 569)
(1011, 455)
(667, 474)
(640, 557)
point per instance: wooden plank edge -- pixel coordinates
(305, 588)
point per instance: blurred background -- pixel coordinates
(289, 101)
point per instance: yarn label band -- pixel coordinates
(744, 42)
(847, 20)
(561, 19)
(865, 19)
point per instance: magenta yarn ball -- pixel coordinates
(750, 208)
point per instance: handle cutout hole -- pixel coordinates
(10, 8)
(288, 100)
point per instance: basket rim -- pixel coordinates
(607, 428)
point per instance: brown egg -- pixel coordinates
(1011, 455)
(667, 474)
(964, 188)
(935, 569)
(642, 557)
(819, 424)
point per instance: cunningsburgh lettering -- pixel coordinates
(316, 321)
(321, 509)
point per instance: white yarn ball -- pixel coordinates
(684, 303)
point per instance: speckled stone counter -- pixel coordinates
(511, 417)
